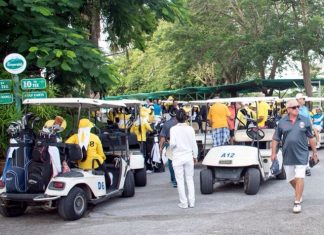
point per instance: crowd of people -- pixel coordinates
(172, 121)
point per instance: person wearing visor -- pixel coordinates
(318, 125)
(294, 131)
(303, 110)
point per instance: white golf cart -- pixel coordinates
(245, 161)
(70, 192)
(204, 138)
(116, 141)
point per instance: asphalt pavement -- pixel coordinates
(153, 210)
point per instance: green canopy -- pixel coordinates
(195, 93)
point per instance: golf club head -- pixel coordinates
(36, 119)
(25, 119)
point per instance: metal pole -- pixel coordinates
(17, 93)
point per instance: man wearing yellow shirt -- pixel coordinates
(262, 112)
(217, 116)
(90, 144)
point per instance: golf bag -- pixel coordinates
(19, 156)
(40, 170)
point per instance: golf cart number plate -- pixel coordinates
(101, 185)
(227, 155)
(225, 162)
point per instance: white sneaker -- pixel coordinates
(149, 171)
(191, 205)
(297, 207)
(318, 145)
(183, 206)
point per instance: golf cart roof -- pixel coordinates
(243, 99)
(315, 99)
(234, 99)
(132, 102)
(171, 101)
(75, 102)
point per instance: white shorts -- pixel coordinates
(317, 127)
(294, 171)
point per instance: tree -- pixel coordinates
(38, 30)
(306, 26)
(226, 42)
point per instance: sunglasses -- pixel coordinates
(294, 107)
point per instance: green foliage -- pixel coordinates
(225, 42)
(132, 22)
(38, 30)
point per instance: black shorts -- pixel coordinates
(231, 133)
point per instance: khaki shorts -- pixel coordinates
(294, 171)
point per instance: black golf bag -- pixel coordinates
(18, 160)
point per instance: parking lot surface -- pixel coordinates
(153, 210)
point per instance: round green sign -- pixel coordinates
(15, 63)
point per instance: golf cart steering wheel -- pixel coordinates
(255, 133)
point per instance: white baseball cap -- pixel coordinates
(301, 96)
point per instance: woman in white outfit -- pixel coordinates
(184, 155)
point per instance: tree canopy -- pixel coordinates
(57, 35)
(227, 42)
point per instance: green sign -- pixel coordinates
(5, 85)
(34, 95)
(33, 83)
(6, 98)
(15, 63)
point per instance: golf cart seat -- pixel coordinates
(114, 143)
(195, 126)
(70, 152)
(241, 136)
(209, 129)
(265, 153)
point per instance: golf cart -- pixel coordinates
(204, 139)
(69, 192)
(114, 141)
(245, 161)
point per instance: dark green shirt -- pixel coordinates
(294, 139)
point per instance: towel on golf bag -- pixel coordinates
(155, 153)
(8, 163)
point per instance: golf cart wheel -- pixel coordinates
(206, 181)
(129, 185)
(252, 181)
(282, 175)
(13, 209)
(140, 177)
(74, 205)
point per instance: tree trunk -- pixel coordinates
(306, 73)
(94, 31)
(94, 22)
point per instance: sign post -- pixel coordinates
(15, 64)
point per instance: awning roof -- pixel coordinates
(242, 87)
